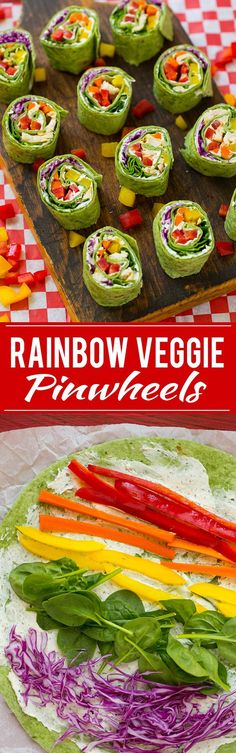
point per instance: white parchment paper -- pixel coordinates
(24, 453)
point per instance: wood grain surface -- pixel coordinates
(161, 297)
(20, 421)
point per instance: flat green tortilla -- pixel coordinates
(221, 470)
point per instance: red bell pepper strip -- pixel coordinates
(223, 57)
(223, 209)
(224, 248)
(7, 211)
(37, 164)
(143, 108)
(79, 153)
(130, 219)
(94, 481)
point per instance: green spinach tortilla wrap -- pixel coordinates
(139, 28)
(183, 238)
(31, 128)
(182, 76)
(210, 146)
(104, 99)
(32, 663)
(230, 220)
(71, 39)
(17, 64)
(143, 160)
(68, 188)
(112, 269)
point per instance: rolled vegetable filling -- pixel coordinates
(71, 38)
(68, 187)
(143, 160)
(230, 220)
(139, 28)
(183, 238)
(182, 76)
(210, 147)
(104, 97)
(112, 268)
(31, 127)
(17, 60)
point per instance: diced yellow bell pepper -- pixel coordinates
(191, 215)
(72, 174)
(107, 50)
(40, 75)
(4, 267)
(230, 98)
(195, 80)
(127, 197)
(75, 239)
(20, 56)
(3, 234)
(226, 609)
(118, 80)
(114, 247)
(194, 67)
(60, 541)
(142, 589)
(84, 34)
(146, 567)
(181, 123)
(233, 147)
(214, 593)
(151, 23)
(233, 124)
(85, 182)
(108, 149)
(8, 295)
(156, 207)
(4, 319)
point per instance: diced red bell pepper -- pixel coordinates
(14, 252)
(37, 164)
(223, 209)
(68, 34)
(143, 108)
(213, 146)
(40, 275)
(2, 14)
(58, 192)
(99, 62)
(4, 248)
(14, 263)
(215, 124)
(25, 122)
(171, 73)
(11, 70)
(114, 268)
(225, 248)
(35, 125)
(103, 264)
(26, 278)
(57, 35)
(224, 56)
(79, 153)
(11, 278)
(209, 133)
(147, 161)
(7, 211)
(130, 219)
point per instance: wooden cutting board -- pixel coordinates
(161, 297)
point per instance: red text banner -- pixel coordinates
(82, 367)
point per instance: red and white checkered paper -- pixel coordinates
(211, 25)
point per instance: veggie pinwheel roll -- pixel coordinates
(210, 146)
(143, 160)
(182, 76)
(183, 238)
(139, 28)
(230, 220)
(68, 188)
(71, 39)
(31, 128)
(17, 64)
(104, 99)
(112, 269)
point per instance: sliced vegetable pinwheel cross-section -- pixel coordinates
(143, 160)
(71, 39)
(139, 28)
(68, 188)
(31, 128)
(182, 76)
(183, 238)
(17, 64)
(210, 146)
(104, 99)
(230, 220)
(112, 269)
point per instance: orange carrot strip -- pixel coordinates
(52, 523)
(183, 544)
(133, 525)
(223, 571)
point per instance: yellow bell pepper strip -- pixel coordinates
(64, 503)
(181, 123)
(226, 609)
(60, 541)
(48, 552)
(4, 319)
(222, 571)
(53, 523)
(214, 593)
(108, 149)
(127, 197)
(3, 234)
(149, 593)
(40, 75)
(107, 50)
(9, 296)
(75, 239)
(149, 568)
(4, 267)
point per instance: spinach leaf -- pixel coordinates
(179, 676)
(226, 649)
(38, 588)
(209, 662)
(184, 659)
(208, 621)
(156, 668)
(45, 622)
(183, 608)
(101, 634)
(107, 649)
(76, 646)
(145, 633)
(123, 605)
(73, 609)
(56, 567)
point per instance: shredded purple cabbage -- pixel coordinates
(58, 19)
(13, 35)
(166, 217)
(200, 142)
(18, 107)
(125, 713)
(48, 170)
(90, 74)
(91, 247)
(128, 140)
